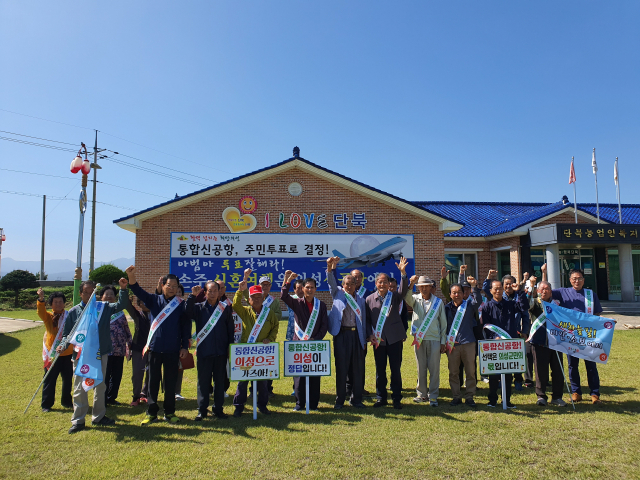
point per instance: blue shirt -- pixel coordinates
(574, 299)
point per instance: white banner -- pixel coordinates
(311, 358)
(250, 361)
(502, 356)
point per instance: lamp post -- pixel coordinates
(77, 165)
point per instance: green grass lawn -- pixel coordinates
(30, 314)
(416, 442)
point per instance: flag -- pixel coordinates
(594, 165)
(615, 172)
(87, 343)
(572, 174)
(579, 334)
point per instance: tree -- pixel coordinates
(38, 276)
(18, 280)
(107, 274)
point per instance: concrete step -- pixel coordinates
(626, 308)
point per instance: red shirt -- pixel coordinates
(309, 306)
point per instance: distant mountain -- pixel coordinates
(57, 269)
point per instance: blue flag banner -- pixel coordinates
(579, 334)
(87, 342)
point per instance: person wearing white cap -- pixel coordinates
(429, 328)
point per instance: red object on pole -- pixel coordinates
(77, 164)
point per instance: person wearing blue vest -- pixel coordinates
(168, 341)
(583, 300)
(349, 325)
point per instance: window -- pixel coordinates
(453, 261)
(504, 264)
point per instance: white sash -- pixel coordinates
(255, 331)
(210, 325)
(168, 310)
(588, 301)
(428, 319)
(498, 331)
(384, 312)
(49, 354)
(115, 317)
(361, 291)
(401, 305)
(306, 335)
(455, 325)
(354, 305)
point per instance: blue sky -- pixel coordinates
(482, 101)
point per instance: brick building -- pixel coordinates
(220, 230)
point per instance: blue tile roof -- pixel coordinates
(484, 219)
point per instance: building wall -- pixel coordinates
(562, 218)
(319, 195)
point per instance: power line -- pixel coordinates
(40, 174)
(46, 120)
(150, 163)
(131, 189)
(62, 198)
(37, 138)
(26, 142)
(157, 173)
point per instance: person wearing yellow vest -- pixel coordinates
(54, 325)
(266, 334)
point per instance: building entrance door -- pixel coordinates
(571, 258)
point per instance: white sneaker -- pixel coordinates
(179, 397)
(559, 402)
(420, 399)
(226, 395)
(485, 379)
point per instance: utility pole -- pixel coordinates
(95, 167)
(44, 216)
(1, 240)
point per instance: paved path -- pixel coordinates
(622, 319)
(10, 325)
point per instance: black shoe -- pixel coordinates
(491, 405)
(338, 406)
(264, 411)
(65, 405)
(238, 411)
(271, 395)
(380, 403)
(455, 402)
(221, 415)
(366, 393)
(297, 408)
(46, 410)
(471, 403)
(510, 405)
(113, 402)
(76, 428)
(200, 417)
(104, 422)
(358, 405)
(397, 405)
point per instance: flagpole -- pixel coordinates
(595, 172)
(618, 192)
(575, 203)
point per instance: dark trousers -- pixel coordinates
(64, 368)
(169, 363)
(528, 378)
(138, 369)
(394, 353)
(240, 398)
(213, 366)
(300, 387)
(113, 377)
(543, 358)
(349, 357)
(593, 379)
(493, 387)
(349, 382)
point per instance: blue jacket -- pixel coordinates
(522, 317)
(217, 342)
(339, 304)
(465, 333)
(174, 333)
(507, 314)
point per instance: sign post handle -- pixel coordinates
(504, 392)
(307, 393)
(255, 400)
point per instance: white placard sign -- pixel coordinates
(251, 361)
(502, 356)
(307, 359)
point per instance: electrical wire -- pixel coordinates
(40, 174)
(132, 190)
(46, 120)
(25, 142)
(62, 198)
(172, 177)
(151, 163)
(37, 138)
